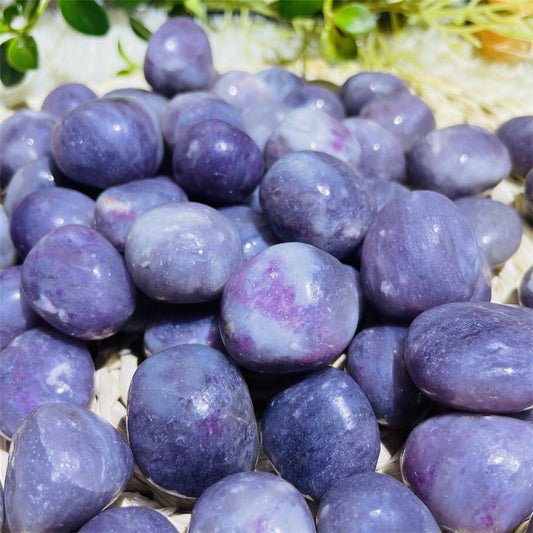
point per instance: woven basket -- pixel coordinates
(460, 86)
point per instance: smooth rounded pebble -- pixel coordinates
(128, 520)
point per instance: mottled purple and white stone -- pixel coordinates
(251, 502)
(42, 366)
(8, 252)
(371, 503)
(77, 281)
(129, 520)
(308, 129)
(472, 471)
(182, 252)
(65, 465)
(473, 356)
(292, 307)
(320, 430)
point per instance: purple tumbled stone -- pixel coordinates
(241, 89)
(290, 308)
(8, 252)
(419, 252)
(65, 97)
(251, 502)
(472, 471)
(190, 419)
(77, 281)
(320, 430)
(128, 520)
(316, 97)
(65, 465)
(473, 356)
(517, 135)
(525, 289)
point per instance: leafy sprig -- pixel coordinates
(343, 28)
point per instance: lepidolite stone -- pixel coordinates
(77, 281)
(320, 430)
(190, 419)
(371, 503)
(128, 520)
(42, 365)
(251, 502)
(474, 472)
(65, 465)
(473, 356)
(292, 307)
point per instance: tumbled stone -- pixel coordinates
(128, 520)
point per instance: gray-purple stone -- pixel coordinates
(129, 520)
(316, 97)
(419, 252)
(24, 136)
(41, 366)
(320, 430)
(456, 161)
(251, 502)
(77, 281)
(280, 81)
(385, 191)
(45, 210)
(290, 308)
(403, 114)
(496, 226)
(182, 252)
(16, 314)
(308, 129)
(375, 359)
(517, 135)
(254, 229)
(65, 465)
(108, 141)
(483, 290)
(525, 289)
(373, 503)
(318, 199)
(8, 252)
(117, 207)
(474, 472)
(182, 324)
(473, 356)
(190, 419)
(153, 102)
(178, 58)
(261, 120)
(65, 97)
(382, 156)
(363, 87)
(242, 89)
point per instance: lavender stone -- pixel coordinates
(182, 252)
(8, 252)
(473, 356)
(280, 81)
(316, 97)
(385, 191)
(375, 359)
(316, 198)
(419, 252)
(292, 307)
(483, 290)
(370, 503)
(117, 207)
(66, 97)
(65, 465)
(319, 431)
(261, 120)
(525, 289)
(128, 520)
(190, 419)
(77, 281)
(251, 501)
(308, 129)
(242, 90)
(42, 366)
(472, 471)
(517, 135)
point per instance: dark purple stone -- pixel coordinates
(65, 465)
(190, 419)
(42, 366)
(373, 503)
(66, 97)
(525, 289)
(290, 308)
(517, 135)
(528, 190)
(472, 471)
(77, 281)
(473, 356)
(320, 430)
(251, 502)
(128, 520)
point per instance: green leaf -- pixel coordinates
(22, 53)
(86, 16)
(8, 75)
(195, 7)
(289, 9)
(128, 4)
(140, 29)
(12, 11)
(335, 46)
(354, 19)
(30, 7)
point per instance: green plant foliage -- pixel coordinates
(22, 53)
(86, 16)
(8, 75)
(354, 19)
